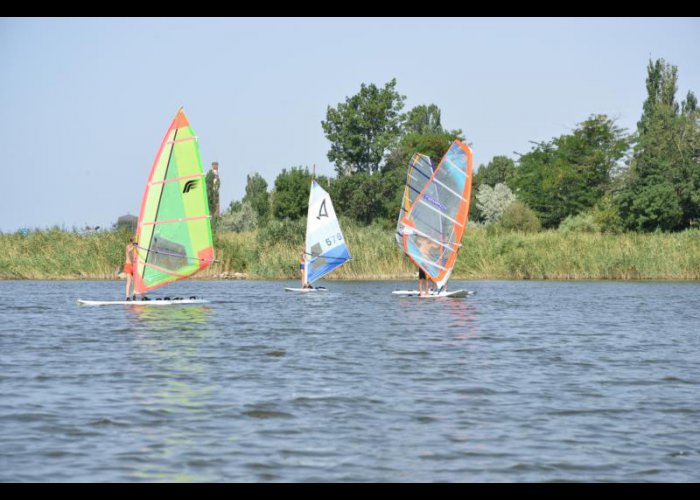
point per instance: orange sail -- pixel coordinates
(433, 227)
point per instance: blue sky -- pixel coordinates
(85, 102)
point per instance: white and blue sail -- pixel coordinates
(325, 244)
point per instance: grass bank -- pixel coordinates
(273, 253)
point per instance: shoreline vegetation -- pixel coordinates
(57, 254)
(597, 203)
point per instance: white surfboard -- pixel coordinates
(306, 290)
(456, 294)
(152, 302)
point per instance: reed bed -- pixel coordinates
(273, 253)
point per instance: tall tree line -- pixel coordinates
(641, 181)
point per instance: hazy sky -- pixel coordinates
(86, 102)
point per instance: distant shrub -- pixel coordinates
(607, 215)
(581, 223)
(519, 217)
(492, 202)
(239, 218)
(290, 232)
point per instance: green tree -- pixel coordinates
(661, 86)
(290, 197)
(423, 120)
(234, 206)
(433, 145)
(359, 197)
(393, 186)
(499, 170)
(690, 106)
(363, 128)
(661, 188)
(570, 173)
(213, 184)
(655, 206)
(256, 194)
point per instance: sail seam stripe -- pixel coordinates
(174, 179)
(184, 219)
(420, 172)
(448, 162)
(175, 141)
(440, 213)
(449, 189)
(429, 262)
(157, 268)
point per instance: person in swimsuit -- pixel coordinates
(422, 280)
(430, 251)
(302, 270)
(129, 266)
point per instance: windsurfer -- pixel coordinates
(302, 270)
(129, 266)
(422, 280)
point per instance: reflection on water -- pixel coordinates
(461, 316)
(456, 316)
(169, 342)
(165, 317)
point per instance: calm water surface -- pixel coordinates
(525, 381)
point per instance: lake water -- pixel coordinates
(525, 381)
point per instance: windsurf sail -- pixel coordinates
(435, 222)
(420, 168)
(174, 231)
(325, 243)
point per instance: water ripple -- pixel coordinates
(525, 381)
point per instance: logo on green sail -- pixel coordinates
(190, 185)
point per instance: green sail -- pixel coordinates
(174, 230)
